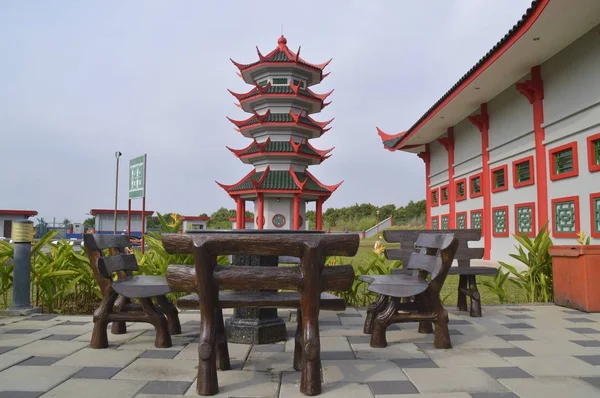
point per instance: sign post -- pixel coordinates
(137, 189)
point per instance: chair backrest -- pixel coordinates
(118, 262)
(435, 256)
(408, 238)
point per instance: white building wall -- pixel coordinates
(571, 114)
(106, 223)
(12, 218)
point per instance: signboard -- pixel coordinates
(137, 177)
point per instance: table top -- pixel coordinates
(255, 231)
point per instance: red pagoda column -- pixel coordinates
(319, 214)
(243, 216)
(238, 213)
(296, 212)
(260, 217)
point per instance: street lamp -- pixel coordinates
(377, 224)
(117, 155)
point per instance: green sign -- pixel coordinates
(137, 177)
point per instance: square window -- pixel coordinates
(461, 220)
(475, 186)
(435, 197)
(594, 152)
(461, 189)
(444, 195)
(434, 222)
(280, 80)
(476, 216)
(499, 179)
(525, 219)
(564, 162)
(595, 214)
(500, 219)
(523, 172)
(445, 221)
(565, 217)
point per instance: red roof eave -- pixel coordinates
(194, 218)
(19, 212)
(93, 212)
(540, 5)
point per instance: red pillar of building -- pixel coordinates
(296, 212)
(319, 214)
(482, 122)
(238, 213)
(533, 90)
(260, 217)
(426, 157)
(448, 143)
(243, 217)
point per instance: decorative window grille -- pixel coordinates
(476, 184)
(460, 221)
(596, 210)
(476, 220)
(444, 194)
(500, 221)
(460, 189)
(523, 170)
(280, 80)
(434, 223)
(499, 179)
(525, 219)
(565, 217)
(563, 161)
(434, 197)
(596, 152)
(444, 222)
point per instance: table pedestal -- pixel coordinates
(255, 325)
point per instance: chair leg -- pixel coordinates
(99, 334)
(171, 313)
(120, 327)
(223, 361)
(298, 342)
(374, 309)
(442, 334)
(462, 296)
(381, 323)
(158, 320)
(424, 327)
(475, 297)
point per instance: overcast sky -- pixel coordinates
(80, 80)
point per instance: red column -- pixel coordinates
(426, 157)
(448, 143)
(319, 214)
(482, 123)
(260, 217)
(296, 216)
(533, 90)
(243, 217)
(238, 212)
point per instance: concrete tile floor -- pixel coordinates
(513, 351)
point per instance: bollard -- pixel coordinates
(22, 237)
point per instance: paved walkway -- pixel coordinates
(526, 351)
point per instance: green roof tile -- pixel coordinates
(277, 90)
(281, 146)
(279, 118)
(279, 179)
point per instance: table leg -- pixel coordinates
(312, 265)
(475, 297)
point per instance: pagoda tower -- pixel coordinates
(280, 127)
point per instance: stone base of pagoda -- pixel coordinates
(255, 325)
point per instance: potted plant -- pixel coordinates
(576, 270)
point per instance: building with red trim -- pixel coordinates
(105, 221)
(515, 143)
(280, 127)
(7, 217)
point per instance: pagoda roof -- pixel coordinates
(289, 118)
(280, 181)
(281, 147)
(282, 56)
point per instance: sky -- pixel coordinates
(80, 80)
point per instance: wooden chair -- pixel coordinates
(117, 306)
(415, 297)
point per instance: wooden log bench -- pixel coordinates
(467, 282)
(217, 287)
(414, 296)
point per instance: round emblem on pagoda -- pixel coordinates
(278, 220)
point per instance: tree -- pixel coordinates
(89, 222)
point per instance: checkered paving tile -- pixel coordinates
(512, 351)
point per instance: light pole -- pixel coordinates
(377, 224)
(117, 155)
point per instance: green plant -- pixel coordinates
(496, 285)
(6, 271)
(536, 280)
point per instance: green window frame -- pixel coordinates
(461, 221)
(434, 197)
(563, 161)
(263, 83)
(445, 222)
(523, 170)
(434, 223)
(596, 218)
(445, 194)
(476, 219)
(499, 178)
(596, 152)
(280, 80)
(500, 220)
(460, 189)
(476, 184)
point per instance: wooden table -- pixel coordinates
(309, 279)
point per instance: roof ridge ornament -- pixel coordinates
(258, 183)
(297, 180)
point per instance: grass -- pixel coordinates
(450, 290)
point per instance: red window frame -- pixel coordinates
(577, 218)
(437, 202)
(464, 196)
(572, 173)
(471, 178)
(501, 234)
(533, 232)
(464, 213)
(493, 180)
(442, 201)
(590, 145)
(531, 181)
(593, 233)
(480, 211)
